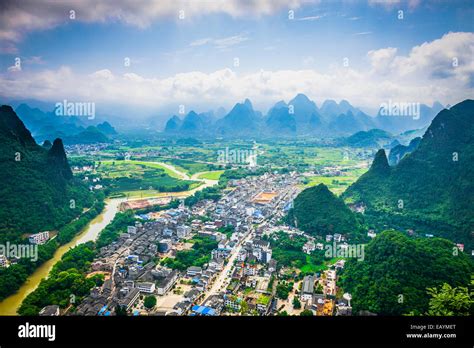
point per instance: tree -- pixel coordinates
(449, 301)
(397, 269)
(283, 289)
(150, 302)
(306, 313)
(319, 289)
(244, 307)
(120, 311)
(283, 314)
(296, 303)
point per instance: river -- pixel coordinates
(10, 305)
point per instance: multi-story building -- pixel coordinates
(39, 238)
(146, 287)
(307, 289)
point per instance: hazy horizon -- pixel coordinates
(148, 61)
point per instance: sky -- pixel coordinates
(141, 57)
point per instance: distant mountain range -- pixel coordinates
(71, 129)
(299, 117)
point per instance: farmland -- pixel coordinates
(138, 178)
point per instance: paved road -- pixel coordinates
(223, 277)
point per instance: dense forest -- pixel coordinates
(431, 189)
(288, 252)
(37, 181)
(318, 211)
(38, 191)
(13, 277)
(67, 282)
(397, 270)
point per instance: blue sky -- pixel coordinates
(178, 56)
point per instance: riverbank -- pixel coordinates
(10, 305)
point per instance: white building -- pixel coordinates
(183, 231)
(309, 247)
(146, 287)
(371, 234)
(217, 263)
(39, 238)
(3, 261)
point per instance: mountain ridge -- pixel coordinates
(299, 117)
(414, 192)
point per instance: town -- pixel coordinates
(239, 277)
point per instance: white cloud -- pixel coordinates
(14, 68)
(230, 41)
(390, 4)
(221, 43)
(34, 60)
(381, 60)
(425, 74)
(311, 18)
(447, 57)
(201, 42)
(18, 17)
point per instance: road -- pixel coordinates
(224, 276)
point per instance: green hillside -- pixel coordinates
(37, 184)
(397, 270)
(431, 190)
(371, 138)
(319, 212)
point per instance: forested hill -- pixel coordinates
(37, 185)
(430, 190)
(319, 212)
(397, 270)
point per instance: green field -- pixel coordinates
(191, 167)
(211, 175)
(132, 176)
(310, 267)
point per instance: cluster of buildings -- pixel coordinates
(318, 293)
(130, 263)
(249, 284)
(239, 277)
(85, 149)
(247, 287)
